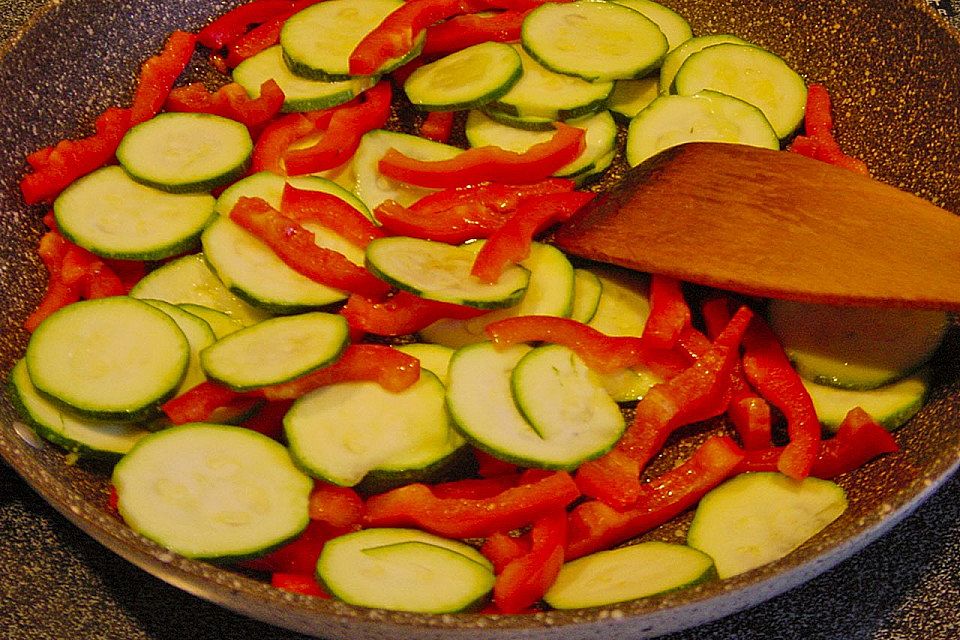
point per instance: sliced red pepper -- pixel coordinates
(396, 35)
(490, 466)
(699, 392)
(525, 580)
(401, 314)
(390, 368)
(511, 243)
(456, 215)
(57, 295)
(340, 507)
(262, 36)
(347, 125)
(56, 167)
(268, 420)
(298, 583)
(595, 525)
(460, 32)
(769, 371)
(501, 549)
(474, 488)
(488, 164)
(299, 556)
(818, 113)
(158, 74)
(416, 505)
(296, 247)
(231, 25)
(230, 101)
(333, 212)
(669, 313)
(819, 142)
(599, 351)
(197, 403)
(858, 440)
(437, 126)
(276, 138)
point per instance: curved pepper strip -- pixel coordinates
(819, 142)
(488, 164)
(501, 549)
(396, 35)
(401, 314)
(305, 585)
(769, 371)
(388, 367)
(437, 126)
(230, 101)
(669, 313)
(599, 351)
(197, 403)
(460, 32)
(698, 393)
(278, 135)
(262, 36)
(511, 243)
(858, 440)
(158, 74)
(524, 580)
(231, 25)
(348, 123)
(416, 505)
(455, 215)
(594, 525)
(306, 205)
(299, 557)
(296, 247)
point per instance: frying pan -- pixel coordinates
(893, 70)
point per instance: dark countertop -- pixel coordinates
(56, 583)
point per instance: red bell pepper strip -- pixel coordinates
(299, 556)
(510, 243)
(858, 440)
(390, 368)
(58, 166)
(599, 351)
(488, 164)
(474, 488)
(230, 101)
(525, 580)
(416, 505)
(437, 126)
(57, 295)
(501, 549)
(304, 205)
(456, 215)
(263, 35)
(401, 314)
(698, 393)
(340, 507)
(594, 525)
(460, 32)
(296, 247)
(347, 125)
(669, 313)
(396, 35)
(197, 403)
(819, 142)
(769, 371)
(231, 25)
(297, 583)
(278, 135)
(490, 466)
(158, 74)
(268, 419)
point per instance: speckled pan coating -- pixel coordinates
(902, 116)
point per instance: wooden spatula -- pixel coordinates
(773, 224)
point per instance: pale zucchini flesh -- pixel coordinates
(212, 491)
(466, 79)
(891, 404)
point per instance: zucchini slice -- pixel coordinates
(674, 26)
(466, 79)
(707, 116)
(587, 289)
(405, 570)
(596, 41)
(114, 216)
(113, 358)
(185, 152)
(276, 350)
(756, 518)
(676, 57)
(891, 405)
(628, 573)
(856, 347)
(212, 491)
(752, 74)
(438, 271)
(343, 432)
